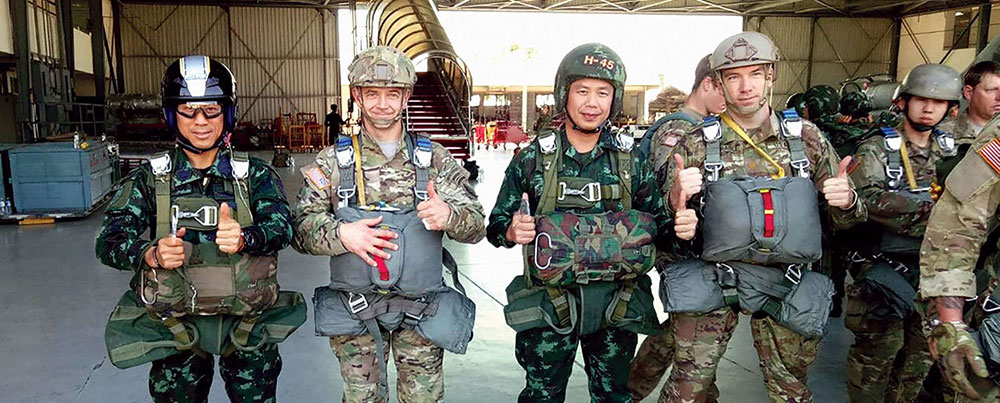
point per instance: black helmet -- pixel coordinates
(196, 79)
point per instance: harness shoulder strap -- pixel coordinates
(712, 133)
(622, 162)
(894, 161)
(548, 162)
(946, 141)
(240, 162)
(162, 166)
(421, 155)
(347, 153)
(791, 126)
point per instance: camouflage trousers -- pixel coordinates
(701, 339)
(420, 375)
(889, 358)
(935, 390)
(547, 359)
(655, 356)
(187, 377)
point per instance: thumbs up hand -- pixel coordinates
(522, 227)
(837, 190)
(229, 234)
(687, 183)
(434, 212)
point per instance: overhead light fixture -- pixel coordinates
(959, 13)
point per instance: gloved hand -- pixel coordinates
(953, 347)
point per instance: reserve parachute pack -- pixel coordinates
(406, 291)
(614, 247)
(760, 220)
(210, 282)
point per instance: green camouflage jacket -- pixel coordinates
(522, 177)
(844, 137)
(740, 160)
(387, 181)
(132, 211)
(666, 138)
(893, 211)
(959, 224)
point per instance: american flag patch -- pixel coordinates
(316, 178)
(991, 153)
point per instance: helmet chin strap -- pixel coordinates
(380, 124)
(586, 131)
(920, 127)
(186, 144)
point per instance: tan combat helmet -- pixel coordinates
(381, 66)
(740, 50)
(386, 67)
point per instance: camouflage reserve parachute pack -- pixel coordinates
(210, 282)
(580, 248)
(612, 246)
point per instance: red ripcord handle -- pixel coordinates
(768, 213)
(383, 270)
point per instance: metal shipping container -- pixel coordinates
(52, 178)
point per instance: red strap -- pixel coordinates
(383, 270)
(768, 213)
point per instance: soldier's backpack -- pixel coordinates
(646, 143)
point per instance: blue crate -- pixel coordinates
(52, 178)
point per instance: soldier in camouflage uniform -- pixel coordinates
(982, 90)
(381, 80)
(657, 352)
(589, 88)
(199, 101)
(856, 108)
(744, 65)
(797, 101)
(889, 359)
(956, 292)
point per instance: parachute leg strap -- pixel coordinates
(561, 304)
(449, 263)
(383, 374)
(620, 304)
(240, 335)
(186, 339)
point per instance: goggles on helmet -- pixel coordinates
(209, 109)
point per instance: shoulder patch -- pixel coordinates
(671, 139)
(991, 153)
(316, 178)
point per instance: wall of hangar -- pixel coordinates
(928, 38)
(285, 60)
(825, 50)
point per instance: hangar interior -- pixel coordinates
(90, 69)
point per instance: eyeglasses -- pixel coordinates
(209, 109)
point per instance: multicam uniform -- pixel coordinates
(388, 181)
(949, 253)
(186, 375)
(656, 354)
(701, 339)
(889, 358)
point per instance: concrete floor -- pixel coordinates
(55, 298)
